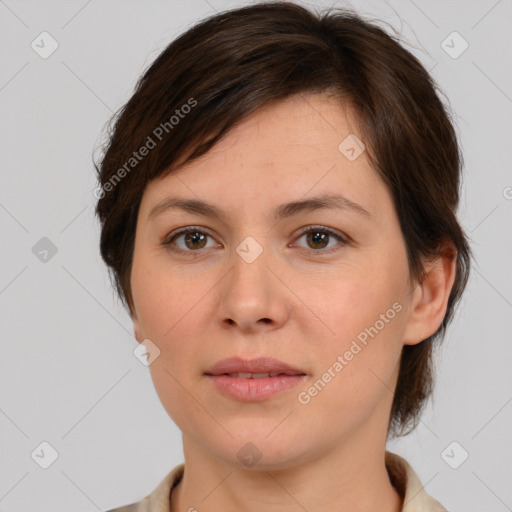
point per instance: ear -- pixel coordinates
(430, 297)
(136, 326)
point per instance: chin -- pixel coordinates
(264, 452)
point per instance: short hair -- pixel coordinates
(229, 65)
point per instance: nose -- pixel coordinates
(253, 298)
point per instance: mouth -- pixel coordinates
(253, 380)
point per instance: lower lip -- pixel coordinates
(255, 390)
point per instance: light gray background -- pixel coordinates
(67, 372)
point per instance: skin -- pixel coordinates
(296, 302)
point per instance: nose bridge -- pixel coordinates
(250, 250)
(249, 266)
(251, 292)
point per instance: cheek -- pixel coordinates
(354, 300)
(355, 370)
(357, 356)
(163, 297)
(168, 309)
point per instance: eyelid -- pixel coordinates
(184, 230)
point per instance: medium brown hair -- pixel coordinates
(231, 64)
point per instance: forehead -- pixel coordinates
(290, 128)
(283, 151)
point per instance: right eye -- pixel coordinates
(187, 240)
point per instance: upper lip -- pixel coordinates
(259, 365)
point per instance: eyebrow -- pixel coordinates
(199, 207)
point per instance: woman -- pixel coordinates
(277, 203)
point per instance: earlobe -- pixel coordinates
(136, 328)
(430, 297)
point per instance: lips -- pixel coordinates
(254, 380)
(260, 368)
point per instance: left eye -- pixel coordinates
(318, 238)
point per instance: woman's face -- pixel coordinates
(252, 284)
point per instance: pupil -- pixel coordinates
(195, 238)
(317, 237)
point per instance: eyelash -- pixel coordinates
(342, 240)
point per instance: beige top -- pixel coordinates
(401, 474)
